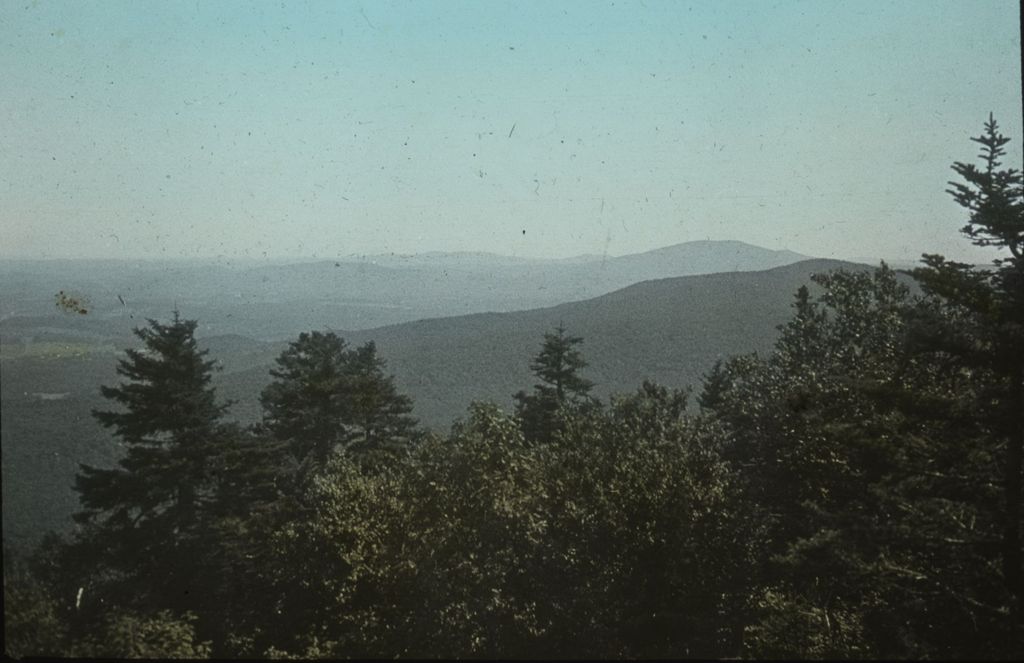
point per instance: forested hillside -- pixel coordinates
(852, 490)
(669, 330)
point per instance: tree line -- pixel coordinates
(854, 493)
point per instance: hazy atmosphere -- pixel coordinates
(518, 331)
(308, 129)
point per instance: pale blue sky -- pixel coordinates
(328, 129)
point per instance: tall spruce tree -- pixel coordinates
(560, 387)
(982, 329)
(143, 519)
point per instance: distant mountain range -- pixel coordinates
(670, 330)
(276, 301)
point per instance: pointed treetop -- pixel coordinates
(994, 198)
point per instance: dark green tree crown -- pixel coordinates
(558, 364)
(560, 387)
(168, 391)
(326, 396)
(993, 197)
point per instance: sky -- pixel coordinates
(295, 130)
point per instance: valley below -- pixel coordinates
(452, 328)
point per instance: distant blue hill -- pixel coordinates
(277, 300)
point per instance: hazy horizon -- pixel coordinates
(980, 257)
(321, 131)
(364, 257)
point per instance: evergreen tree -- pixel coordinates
(714, 386)
(981, 326)
(994, 198)
(378, 414)
(868, 471)
(143, 519)
(326, 397)
(307, 403)
(251, 485)
(560, 387)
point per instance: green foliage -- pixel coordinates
(165, 529)
(326, 397)
(321, 566)
(125, 635)
(650, 552)
(994, 198)
(32, 620)
(144, 521)
(871, 473)
(306, 404)
(560, 388)
(976, 326)
(379, 414)
(620, 540)
(410, 561)
(792, 627)
(169, 420)
(714, 386)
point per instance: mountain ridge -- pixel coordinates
(246, 262)
(273, 300)
(669, 330)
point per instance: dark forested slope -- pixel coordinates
(668, 330)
